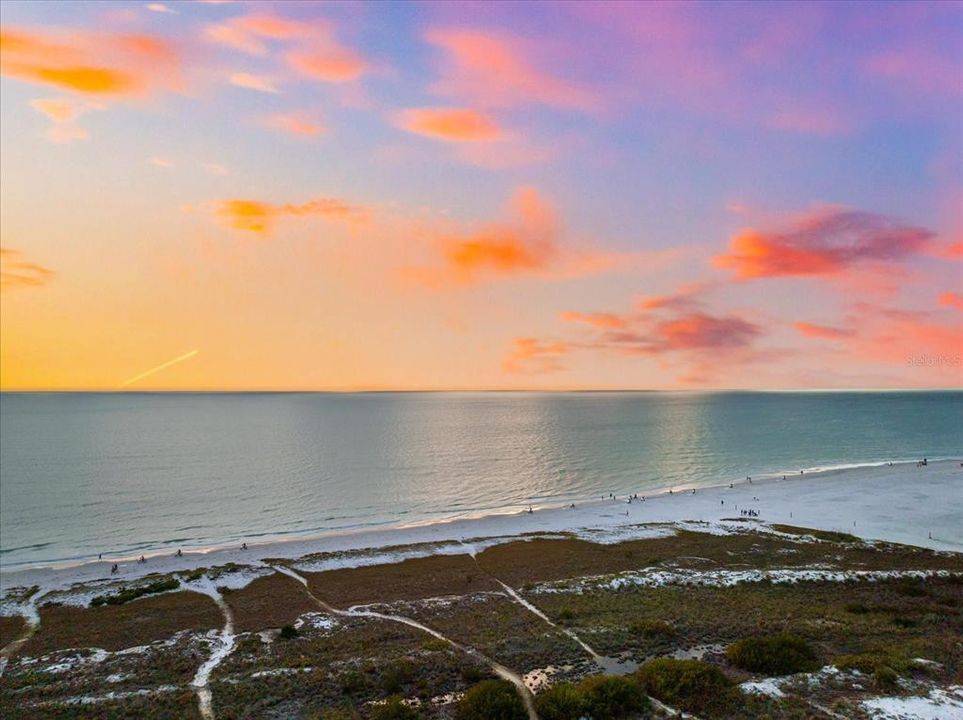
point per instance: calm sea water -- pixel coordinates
(134, 473)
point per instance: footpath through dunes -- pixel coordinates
(497, 668)
(535, 611)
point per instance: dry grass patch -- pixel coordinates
(272, 601)
(122, 626)
(414, 579)
(11, 628)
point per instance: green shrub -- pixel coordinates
(904, 622)
(773, 655)
(492, 700)
(869, 663)
(288, 632)
(886, 678)
(691, 685)
(652, 629)
(608, 697)
(856, 608)
(472, 673)
(566, 615)
(395, 709)
(563, 701)
(128, 594)
(396, 675)
(353, 682)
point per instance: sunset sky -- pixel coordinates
(218, 195)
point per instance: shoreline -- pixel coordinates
(834, 499)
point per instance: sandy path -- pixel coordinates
(224, 647)
(500, 670)
(29, 613)
(609, 665)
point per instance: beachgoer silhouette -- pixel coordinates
(243, 546)
(114, 569)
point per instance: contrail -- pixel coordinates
(162, 366)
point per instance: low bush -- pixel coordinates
(563, 701)
(132, 593)
(395, 709)
(869, 663)
(607, 697)
(492, 700)
(886, 678)
(773, 655)
(288, 632)
(691, 685)
(652, 629)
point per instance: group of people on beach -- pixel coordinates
(922, 463)
(749, 513)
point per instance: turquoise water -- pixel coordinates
(126, 474)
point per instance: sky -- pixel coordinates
(325, 196)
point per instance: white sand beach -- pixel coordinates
(902, 503)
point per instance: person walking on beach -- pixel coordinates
(244, 546)
(179, 553)
(114, 569)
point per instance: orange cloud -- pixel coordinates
(295, 124)
(334, 64)
(526, 244)
(451, 124)
(599, 320)
(18, 273)
(493, 71)
(824, 332)
(531, 356)
(529, 243)
(259, 217)
(103, 65)
(63, 113)
(825, 242)
(952, 299)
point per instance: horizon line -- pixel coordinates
(374, 390)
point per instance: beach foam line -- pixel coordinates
(900, 503)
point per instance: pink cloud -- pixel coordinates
(493, 70)
(951, 299)
(298, 124)
(823, 243)
(824, 332)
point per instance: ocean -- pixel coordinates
(139, 473)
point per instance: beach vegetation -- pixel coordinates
(288, 632)
(648, 628)
(886, 679)
(562, 701)
(492, 700)
(609, 698)
(826, 535)
(773, 655)
(396, 675)
(132, 593)
(691, 685)
(395, 708)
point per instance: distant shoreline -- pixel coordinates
(873, 497)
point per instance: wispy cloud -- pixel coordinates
(450, 124)
(493, 70)
(16, 272)
(303, 125)
(250, 81)
(259, 217)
